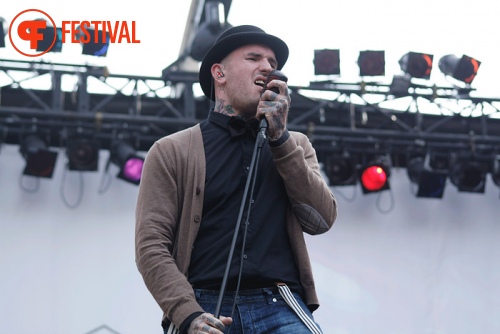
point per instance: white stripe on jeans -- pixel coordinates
(292, 302)
(172, 330)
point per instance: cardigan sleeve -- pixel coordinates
(310, 196)
(157, 219)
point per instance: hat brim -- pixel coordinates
(232, 42)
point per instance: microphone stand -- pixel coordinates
(250, 185)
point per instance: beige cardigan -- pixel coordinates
(169, 209)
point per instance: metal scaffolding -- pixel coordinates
(147, 108)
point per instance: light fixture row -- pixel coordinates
(82, 154)
(412, 64)
(429, 171)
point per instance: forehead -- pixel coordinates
(255, 50)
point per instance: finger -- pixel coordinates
(273, 107)
(269, 95)
(214, 322)
(226, 320)
(206, 323)
(277, 86)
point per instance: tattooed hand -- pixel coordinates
(207, 323)
(274, 107)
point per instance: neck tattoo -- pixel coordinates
(221, 107)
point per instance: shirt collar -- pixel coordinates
(236, 126)
(219, 119)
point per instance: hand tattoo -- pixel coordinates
(205, 323)
(279, 113)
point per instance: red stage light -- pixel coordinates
(374, 178)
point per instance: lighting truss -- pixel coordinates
(361, 117)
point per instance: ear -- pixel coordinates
(218, 73)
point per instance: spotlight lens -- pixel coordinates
(371, 63)
(133, 169)
(374, 178)
(326, 62)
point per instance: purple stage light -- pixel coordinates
(133, 169)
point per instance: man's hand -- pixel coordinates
(207, 323)
(274, 107)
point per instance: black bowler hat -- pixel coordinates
(232, 39)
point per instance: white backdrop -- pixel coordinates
(427, 267)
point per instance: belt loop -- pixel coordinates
(268, 294)
(197, 293)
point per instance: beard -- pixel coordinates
(249, 110)
(245, 105)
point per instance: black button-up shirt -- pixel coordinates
(267, 257)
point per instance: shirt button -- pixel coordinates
(274, 300)
(197, 219)
(245, 256)
(248, 168)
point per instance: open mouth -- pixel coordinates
(260, 83)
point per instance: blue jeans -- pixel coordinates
(257, 311)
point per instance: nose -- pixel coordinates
(266, 66)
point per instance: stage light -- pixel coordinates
(400, 85)
(495, 171)
(93, 48)
(2, 32)
(48, 38)
(415, 166)
(374, 176)
(130, 163)
(326, 62)
(417, 65)
(431, 184)
(83, 154)
(469, 176)
(341, 170)
(40, 161)
(371, 63)
(463, 69)
(208, 32)
(439, 161)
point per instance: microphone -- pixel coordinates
(273, 75)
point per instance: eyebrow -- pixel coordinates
(272, 60)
